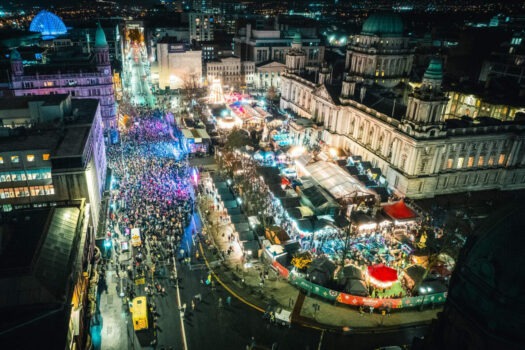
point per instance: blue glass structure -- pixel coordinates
(48, 24)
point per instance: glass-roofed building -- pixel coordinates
(48, 24)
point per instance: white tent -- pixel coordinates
(336, 180)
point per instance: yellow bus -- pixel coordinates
(139, 313)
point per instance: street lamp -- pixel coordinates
(424, 291)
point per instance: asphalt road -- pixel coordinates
(138, 79)
(215, 325)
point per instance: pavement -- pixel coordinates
(244, 282)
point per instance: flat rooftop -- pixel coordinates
(61, 142)
(21, 102)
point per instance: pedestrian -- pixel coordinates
(371, 310)
(193, 305)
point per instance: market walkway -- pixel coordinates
(245, 282)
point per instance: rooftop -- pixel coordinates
(67, 139)
(383, 24)
(21, 102)
(21, 237)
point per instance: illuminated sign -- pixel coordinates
(176, 48)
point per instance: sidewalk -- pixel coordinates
(244, 283)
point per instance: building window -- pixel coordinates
(15, 159)
(48, 83)
(460, 162)
(6, 193)
(450, 162)
(501, 159)
(30, 157)
(470, 162)
(1, 160)
(481, 161)
(45, 156)
(491, 161)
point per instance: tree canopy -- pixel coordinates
(237, 138)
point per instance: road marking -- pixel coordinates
(181, 314)
(320, 341)
(225, 286)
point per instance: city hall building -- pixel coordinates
(419, 152)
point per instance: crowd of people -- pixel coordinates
(152, 193)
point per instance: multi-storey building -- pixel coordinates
(45, 272)
(231, 71)
(483, 103)
(419, 152)
(51, 150)
(273, 45)
(268, 74)
(201, 26)
(179, 66)
(91, 78)
(213, 50)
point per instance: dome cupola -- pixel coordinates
(383, 24)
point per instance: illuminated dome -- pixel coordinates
(48, 24)
(383, 24)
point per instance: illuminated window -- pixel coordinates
(1, 160)
(460, 162)
(450, 161)
(470, 162)
(45, 156)
(30, 157)
(501, 159)
(377, 73)
(15, 159)
(491, 161)
(481, 161)
(49, 83)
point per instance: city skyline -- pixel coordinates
(262, 175)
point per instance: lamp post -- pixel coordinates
(424, 291)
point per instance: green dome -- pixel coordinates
(434, 70)
(15, 55)
(381, 24)
(100, 37)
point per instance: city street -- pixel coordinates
(137, 78)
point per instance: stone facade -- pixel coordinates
(95, 81)
(418, 151)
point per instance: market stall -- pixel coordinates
(381, 275)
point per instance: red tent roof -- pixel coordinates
(382, 273)
(399, 211)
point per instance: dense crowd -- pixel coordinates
(152, 192)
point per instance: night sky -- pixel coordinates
(51, 3)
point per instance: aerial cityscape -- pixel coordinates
(273, 175)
